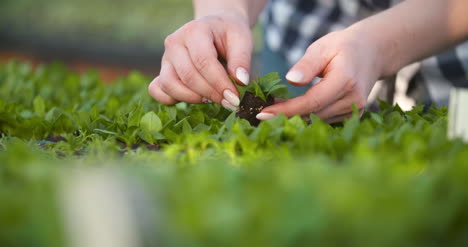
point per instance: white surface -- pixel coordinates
(458, 114)
(97, 211)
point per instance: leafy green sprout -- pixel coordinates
(263, 87)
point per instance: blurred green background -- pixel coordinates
(143, 22)
(113, 36)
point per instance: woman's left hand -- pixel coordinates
(350, 64)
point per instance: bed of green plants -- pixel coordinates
(391, 178)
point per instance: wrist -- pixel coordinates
(387, 58)
(236, 12)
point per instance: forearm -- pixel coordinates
(416, 29)
(250, 9)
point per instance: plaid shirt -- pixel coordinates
(292, 25)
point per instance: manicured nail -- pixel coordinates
(206, 101)
(295, 76)
(265, 116)
(243, 75)
(231, 97)
(152, 82)
(228, 105)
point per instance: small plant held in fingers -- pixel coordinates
(258, 95)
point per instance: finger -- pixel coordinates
(188, 74)
(338, 119)
(205, 58)
(309, 66)
(170, 84)
(280, 100)
(329, 90)
(342, 106)
(156, 92)
(342, 117)
(239, 46)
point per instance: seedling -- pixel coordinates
(258, 95)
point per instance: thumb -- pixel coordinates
(303, 72)
(238, 55)
(315, 99)
(301, 105)
(311, 65)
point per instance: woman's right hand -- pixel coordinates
(190, 69)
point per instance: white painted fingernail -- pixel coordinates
(228, 105)
(206, 101)
(231, 97)
(243, 75)
(295, 76)
(152, 82)
(265, 116)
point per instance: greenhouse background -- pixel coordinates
(113, 36)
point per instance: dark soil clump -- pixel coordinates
(52, 138)
(153, 147)
(150, 147)
(252, 105)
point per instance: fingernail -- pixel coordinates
(206, 101)
(243, 75)
(295, 76)
(228, 105)
(231, 97)
(153, 82)
(265, 116)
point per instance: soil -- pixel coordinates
(150, 147)
(52, 138)
(252, 105)
(153, 147)
(134, 147)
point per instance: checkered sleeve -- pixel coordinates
(292, 25)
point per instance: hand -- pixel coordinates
(190, 69)
(349, 63)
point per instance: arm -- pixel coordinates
(352, 60)
(416, 29)
(249, 9)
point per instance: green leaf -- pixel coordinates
(377, 118)
(269, 84)
(230, 120)
(53, 114)
(134, 117)
(151, 122)
(277, 88)
(201, 127)
(146, 136)
(39, 105)
(186, 127)
(258, 91)
(172, 112)
(106, 132)
(196, 117)
(241, 89)
(350, 127)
